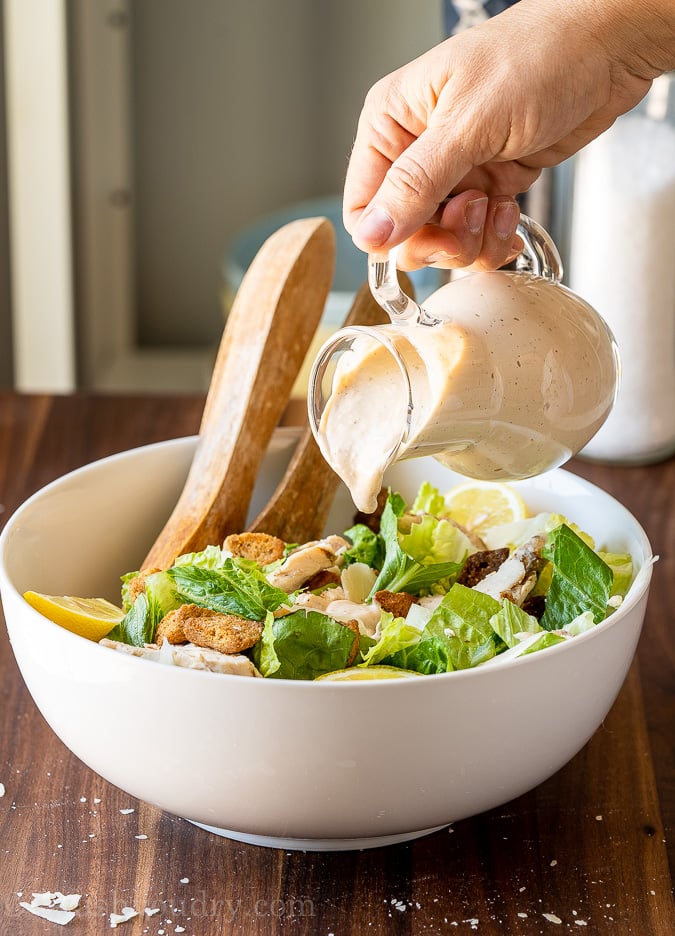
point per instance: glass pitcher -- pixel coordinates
(500, 375)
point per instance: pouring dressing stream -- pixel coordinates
(500, 376)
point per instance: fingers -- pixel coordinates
(472, 230)
(386, 202)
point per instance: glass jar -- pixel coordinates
(622, 261)
(499, 375)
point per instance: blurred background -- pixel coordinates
(144, 146)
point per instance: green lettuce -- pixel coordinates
(395, 634)
(143, 615)
(510, 621)
(581, 581)
(366, 546)
(457, 636)
(212, 557)
(138, 625)
(621, 565)
(429, 500)
(237, 587)
(302, 645)
(547, 639)
(401, 571)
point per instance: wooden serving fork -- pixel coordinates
(273, 319)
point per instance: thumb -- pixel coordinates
(412, 189)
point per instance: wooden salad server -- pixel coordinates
(273, 320)
(298, 509)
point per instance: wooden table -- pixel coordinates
(589, 851)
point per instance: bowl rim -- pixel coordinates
(638, 589)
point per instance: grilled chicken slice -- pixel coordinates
(516, 576)
(303, 563)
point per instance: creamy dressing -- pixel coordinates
(516, 382)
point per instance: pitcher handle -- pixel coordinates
(539, 256)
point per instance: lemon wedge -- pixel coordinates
(478, 505)
(366, 672)
(92, 618)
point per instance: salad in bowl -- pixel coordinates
(447, 581)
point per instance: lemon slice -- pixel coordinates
(89, 617)
(479, 505)
(366, 672)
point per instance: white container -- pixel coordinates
(622, 261)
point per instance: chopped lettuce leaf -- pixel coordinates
(237, 587)
(366, 546)
(126, 580)
(435, 541)
(302, 645)
(510, 621)
(547, 639)
(142, 617)
(580, 624)
(401, 571)
(138, 625)
(581, 581)
(458, 635)
(621, 565)
(212, 557)
(394, 634)
(429, 500)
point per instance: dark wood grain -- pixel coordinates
(591, 844)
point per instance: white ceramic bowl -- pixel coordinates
(298, 764)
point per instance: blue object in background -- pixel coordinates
(351, 269)
(460, 14)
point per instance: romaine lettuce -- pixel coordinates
(302, 645)
(400, 571)
(237, 587)
(581, 581)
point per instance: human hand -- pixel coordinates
(478, 117)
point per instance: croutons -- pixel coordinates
(228, 633)
(353, 626)
(170, 628)
(137, 583)
(260, 547)
(480, 564)
(396, 603)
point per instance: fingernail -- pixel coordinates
(374, 227)
(441, 256)
(474, 214)
(506, 219)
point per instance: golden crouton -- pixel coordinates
(353, 626)
(136, 585)
(171, 629)
(228, 633)
(260, 547)
(396, 603)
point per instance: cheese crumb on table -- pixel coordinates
(128, 913)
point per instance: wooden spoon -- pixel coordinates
(298, 509)
(273, 319)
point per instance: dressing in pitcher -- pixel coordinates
(500, 376)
